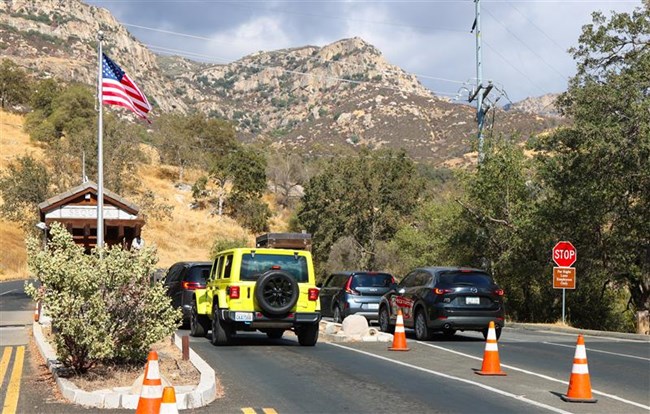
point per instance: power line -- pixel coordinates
(526, 45)
(535, 25)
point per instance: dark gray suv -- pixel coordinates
(182, 280)
(354, 293)
(444, 299)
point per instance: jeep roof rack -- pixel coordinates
(296, 241)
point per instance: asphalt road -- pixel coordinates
(434, 376)
(261, 375)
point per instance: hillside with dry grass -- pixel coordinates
(188, 235)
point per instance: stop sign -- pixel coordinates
(564, 254)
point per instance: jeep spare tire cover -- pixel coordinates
(276, 292)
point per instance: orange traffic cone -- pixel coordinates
(491, 364)
(37, 313)
(168, 405)
(399, 338)
(151, 395)
(579, 383)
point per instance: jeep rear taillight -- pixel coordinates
(312, 294)
(439, 291)
(233, 292)
(192, 285)
(499, 292)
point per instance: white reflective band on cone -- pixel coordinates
(491, 346)
(151, 391)
(492, 334)
(580, 369)
(581, 352)
(154, 371)
(399, 328)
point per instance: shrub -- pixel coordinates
(221, 244)
(103, 309)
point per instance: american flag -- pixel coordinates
(118, 89)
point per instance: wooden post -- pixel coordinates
(186, 347)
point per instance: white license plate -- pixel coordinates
(473, 301)
(243, 317)
(373, 306)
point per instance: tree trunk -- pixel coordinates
(643, 322)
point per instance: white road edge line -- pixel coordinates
(9, 291)
(602, 352)
(604, 394)
(440, 374)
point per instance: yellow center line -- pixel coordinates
(13, 389)
(269, 411)
(248, 410)
(4, 363)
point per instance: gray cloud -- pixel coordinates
(524, 42)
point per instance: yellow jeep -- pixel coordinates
(266, 289)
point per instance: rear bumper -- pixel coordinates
(470, 323)
(362, 309)
(260, 320)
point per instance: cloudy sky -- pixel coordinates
(525, 42)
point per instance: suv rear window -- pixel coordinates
(371, 280)
(198, 274)
(466, 278)
(253, 265)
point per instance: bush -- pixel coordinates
(221, 244)
(103, 309)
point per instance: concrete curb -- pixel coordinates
(568, 329)
(186, 397)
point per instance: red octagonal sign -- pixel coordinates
(564, 254)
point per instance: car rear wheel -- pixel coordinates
(221, 330)
(338, 314)
(275, 333)
(199, 324)
(422, 331)
(308, 334)
(276, 292)
(384, 321)
(497, 330)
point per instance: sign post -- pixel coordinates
(564, 276)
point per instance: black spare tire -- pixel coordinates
(276, 292)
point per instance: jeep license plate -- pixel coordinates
(373, 306)
(244, 316)
(472, 301)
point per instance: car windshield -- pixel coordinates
(371, 280)
(253, 265)
(198, 274)
(466, 278)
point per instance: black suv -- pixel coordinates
(182, 280)
(444, 299)
(354, 293)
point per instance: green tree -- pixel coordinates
(365, 197)
(597, 170)
(14, 84)
(23, 184)
(104, 308)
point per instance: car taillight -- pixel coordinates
(192, 285)
(233, 292)
(499, 292)
(312, 294)
(348, 289)
(439, 291)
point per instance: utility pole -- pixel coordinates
(480, 110)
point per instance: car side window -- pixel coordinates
(422, 278)
(214, 272)
(219, 274)
(227, 266)
(409, 280)
(173, 274)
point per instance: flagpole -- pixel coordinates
(100, 152)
